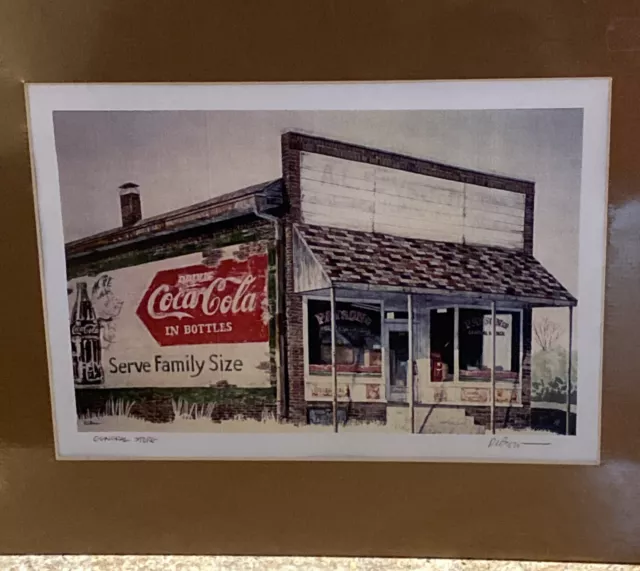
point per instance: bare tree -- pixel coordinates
(547, 333)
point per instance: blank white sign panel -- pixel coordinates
(358, 196)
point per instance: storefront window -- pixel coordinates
(358, 332)
(442, 334)
(474, 345)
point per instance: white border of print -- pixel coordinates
(592, 95)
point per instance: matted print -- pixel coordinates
(389, 271)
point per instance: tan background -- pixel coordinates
(446, 510)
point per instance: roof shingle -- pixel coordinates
(365, 258)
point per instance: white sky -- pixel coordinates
(182, 157)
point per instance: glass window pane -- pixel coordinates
(358, 331)
(476, 346)
(442, 344)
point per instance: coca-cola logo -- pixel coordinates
(207, 298)
(203, 305)
(85, 330)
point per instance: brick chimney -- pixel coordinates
(130, 207)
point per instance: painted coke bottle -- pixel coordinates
(86, 350)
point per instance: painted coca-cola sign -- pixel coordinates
(201, 304)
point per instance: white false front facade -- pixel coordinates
(372, 198)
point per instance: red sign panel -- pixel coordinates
(197, 305)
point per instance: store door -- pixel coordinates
(397, 361)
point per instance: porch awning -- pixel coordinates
(333, 257)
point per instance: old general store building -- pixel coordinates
(406, 284)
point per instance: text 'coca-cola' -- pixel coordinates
(199, 305)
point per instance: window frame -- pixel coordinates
(456, 346)
(305, 335)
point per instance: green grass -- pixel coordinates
(192, 395)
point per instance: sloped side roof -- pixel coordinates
(392, 262)
(269, 195)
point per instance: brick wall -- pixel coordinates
(293, 302)
(322, 412)
(527, 236)
(155, 405)
(527, 333)
(338, 149)
(506, 417)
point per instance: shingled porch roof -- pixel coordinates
(382, 262)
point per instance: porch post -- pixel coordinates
(334, 369)
(410, 375)
(521, 344)
(493, 367)
(456, 343)
(568, 420)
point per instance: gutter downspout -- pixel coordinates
(281, 408)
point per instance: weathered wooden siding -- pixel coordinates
(494, 217)
(337, 193)
(307, 273)
(359, 196)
